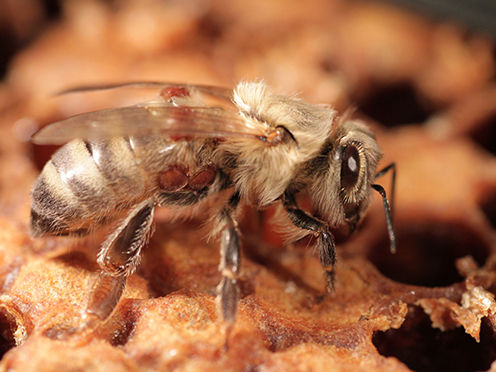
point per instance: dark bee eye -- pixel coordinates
(350, 167)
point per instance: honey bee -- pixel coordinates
(117, 165)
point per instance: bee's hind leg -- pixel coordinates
(118, 258)
(230, 265)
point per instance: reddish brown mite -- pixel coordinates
(263, 147)
(173, 178)
(174, 92)
(203, 178)
(177, 177)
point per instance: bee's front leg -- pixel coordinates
(327, 248)
(118, 258)
(230, 262)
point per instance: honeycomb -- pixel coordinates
(426, 87)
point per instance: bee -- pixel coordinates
(117, 165)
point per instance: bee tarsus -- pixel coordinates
(105, 295)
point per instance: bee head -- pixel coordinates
(346, 172)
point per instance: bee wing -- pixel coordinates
(148, 119)
(214, 91)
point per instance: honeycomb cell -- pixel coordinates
(343, 53)
(424, 348)
(8, 327)
(427, 251)
(487, 204)
(395, 105)
(484, 133)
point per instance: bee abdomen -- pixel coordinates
(78, 170)
(79, 187)
(54, 209)
(118, 165)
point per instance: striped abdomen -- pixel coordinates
(84, 184)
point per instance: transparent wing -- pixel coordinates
(214, 91)
(146, 119)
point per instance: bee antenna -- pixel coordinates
(389, 217)
(390, 167)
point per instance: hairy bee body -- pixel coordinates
(119, 164)
(90, 181)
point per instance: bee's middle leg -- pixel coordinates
(230, 262)
(326, 245)
(118, 258)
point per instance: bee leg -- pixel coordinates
(230, 264)
(327, 248)
(118, 258)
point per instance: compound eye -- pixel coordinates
(350, 167)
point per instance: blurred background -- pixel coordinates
(398, 61)
(422, 73)
(426, 63)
